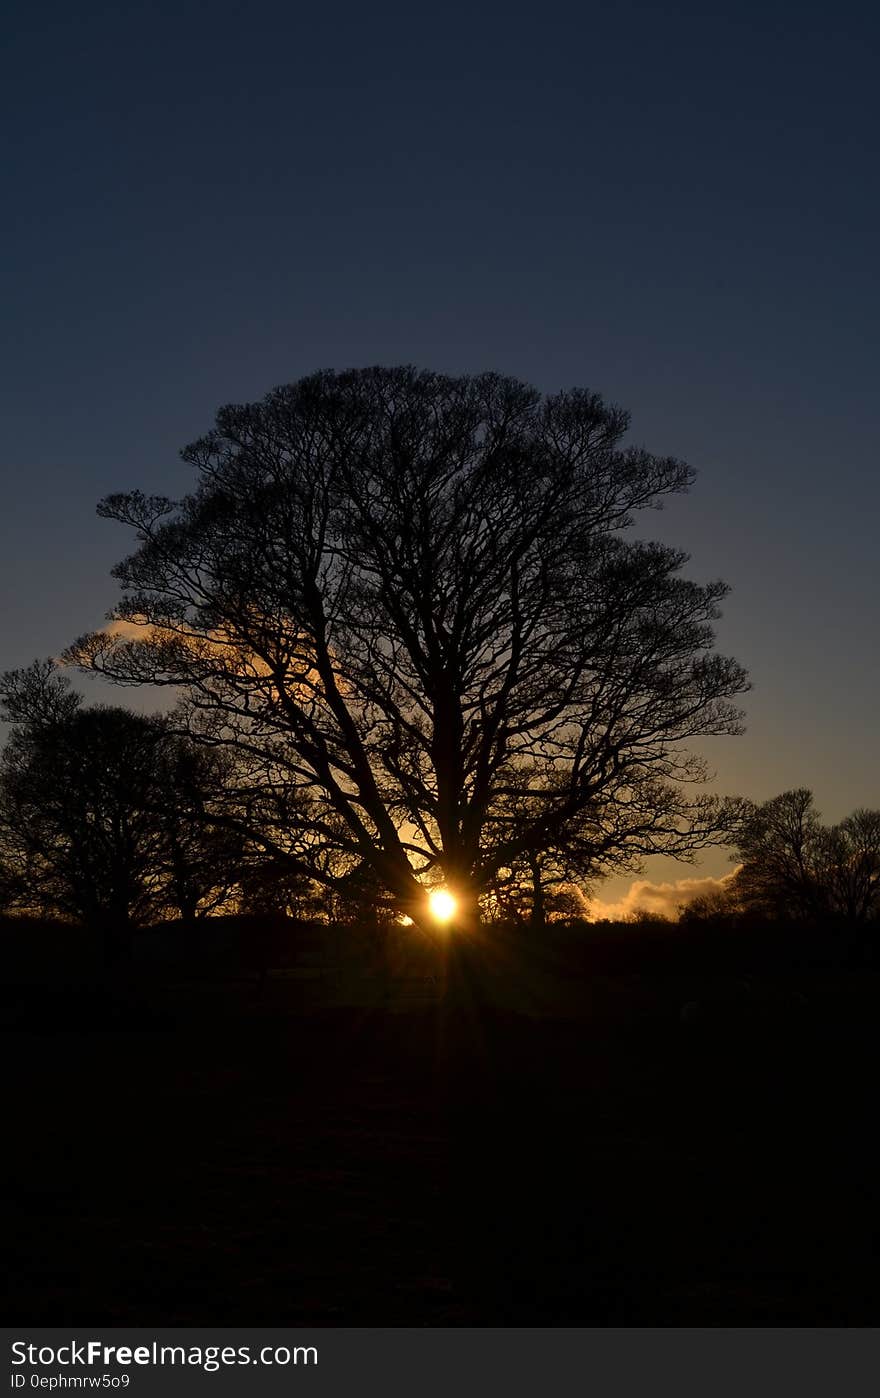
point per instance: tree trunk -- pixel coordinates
(537, 918)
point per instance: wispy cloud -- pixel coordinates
(667, 899)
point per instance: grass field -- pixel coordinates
(659, 1147)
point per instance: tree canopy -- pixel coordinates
(407, 602)
(794, 866)
(102, 811)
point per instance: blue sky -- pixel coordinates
(677, 206)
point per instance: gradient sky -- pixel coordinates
(675, 205)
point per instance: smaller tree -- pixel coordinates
(609, 835)
(793, 866)
(539, 887)
(104, 812)
(78, 800)
(200, 859)
(780, 849)
(270, 886)
(852, 852)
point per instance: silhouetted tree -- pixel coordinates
(852, 858)
(536, 890)
(794, 867)
(406, 597)
(361, 898)
(199, 860)
(719, 905)
(554, 880)
(102, 811)
(780, 848)
(272, 886)
(76, 796)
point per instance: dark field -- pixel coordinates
(568, 1140)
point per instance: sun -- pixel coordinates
(441, 905)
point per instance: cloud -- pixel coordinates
(663, 898)
(221, 651)
(217, 644)
(129, 630)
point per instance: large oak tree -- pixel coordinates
(408, 602)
